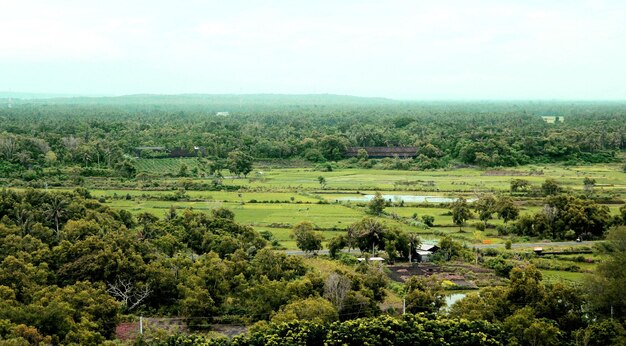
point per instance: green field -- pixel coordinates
(466, 181)
(552, 276)
(277, 198)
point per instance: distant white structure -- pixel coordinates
(372, 259)
(222, 114)
(553, 119)
(425, 251)
(10, 104)
(423, 256)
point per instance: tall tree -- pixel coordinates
(460, 212)
(507, 210)
(485, 206)
(377, 204)
(56, 209)
(370, 234)
(306, 238)
(606, 285)
(239, 163)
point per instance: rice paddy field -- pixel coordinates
(276, 198)
(609, 178)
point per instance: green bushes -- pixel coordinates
(385, 330)
(502, 266)
(552, 264)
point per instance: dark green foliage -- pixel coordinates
(506, 209)
(529, 311)
(332, 147)
(519, 185)
(485, 206)
(385, 330)
(377, 204)
(602, 333)
(428, 220)
(460, 212)
(508, 244)
(424, 295)
(306, 238)
(336, 244)
(501, 265)
(239, 163)
(101, 136)
(451, 249)
(223, 213)
(370, 234)
(550, 187)
(606, 286)
(562, 213)
(69, 286)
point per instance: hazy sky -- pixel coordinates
(413, 49)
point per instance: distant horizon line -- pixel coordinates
(60, 95)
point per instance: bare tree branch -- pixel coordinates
(129, 294)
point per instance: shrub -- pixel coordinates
(428, 220)
(500, 265)
(502, 230)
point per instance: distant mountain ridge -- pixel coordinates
(211, 99)
(34, 96)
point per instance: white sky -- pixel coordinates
(406, 49)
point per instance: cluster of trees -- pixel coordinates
(564, 216)
(102, 135)
(485, 206)
(371, 235)
(69, 267)
(384, 330)
(526, 311)
(548, 188)
(534, 313)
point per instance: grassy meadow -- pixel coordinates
(275, 198)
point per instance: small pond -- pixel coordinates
(405, 198)
(453, 298)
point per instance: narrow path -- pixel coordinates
(479, 246)
(554, 243)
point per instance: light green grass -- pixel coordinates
(165, 165)
(551, 276)
(212, 195)
(266, 184)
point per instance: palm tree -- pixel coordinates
(369, 231)
(414, 243)
(23, 216)
(56, 209)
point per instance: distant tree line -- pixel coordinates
(103, 136)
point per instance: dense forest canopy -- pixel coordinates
(103, 132)
(71, 268)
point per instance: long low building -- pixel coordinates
(380, 152)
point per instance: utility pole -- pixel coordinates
(403, 306)
(141, 325)
(410, 253)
